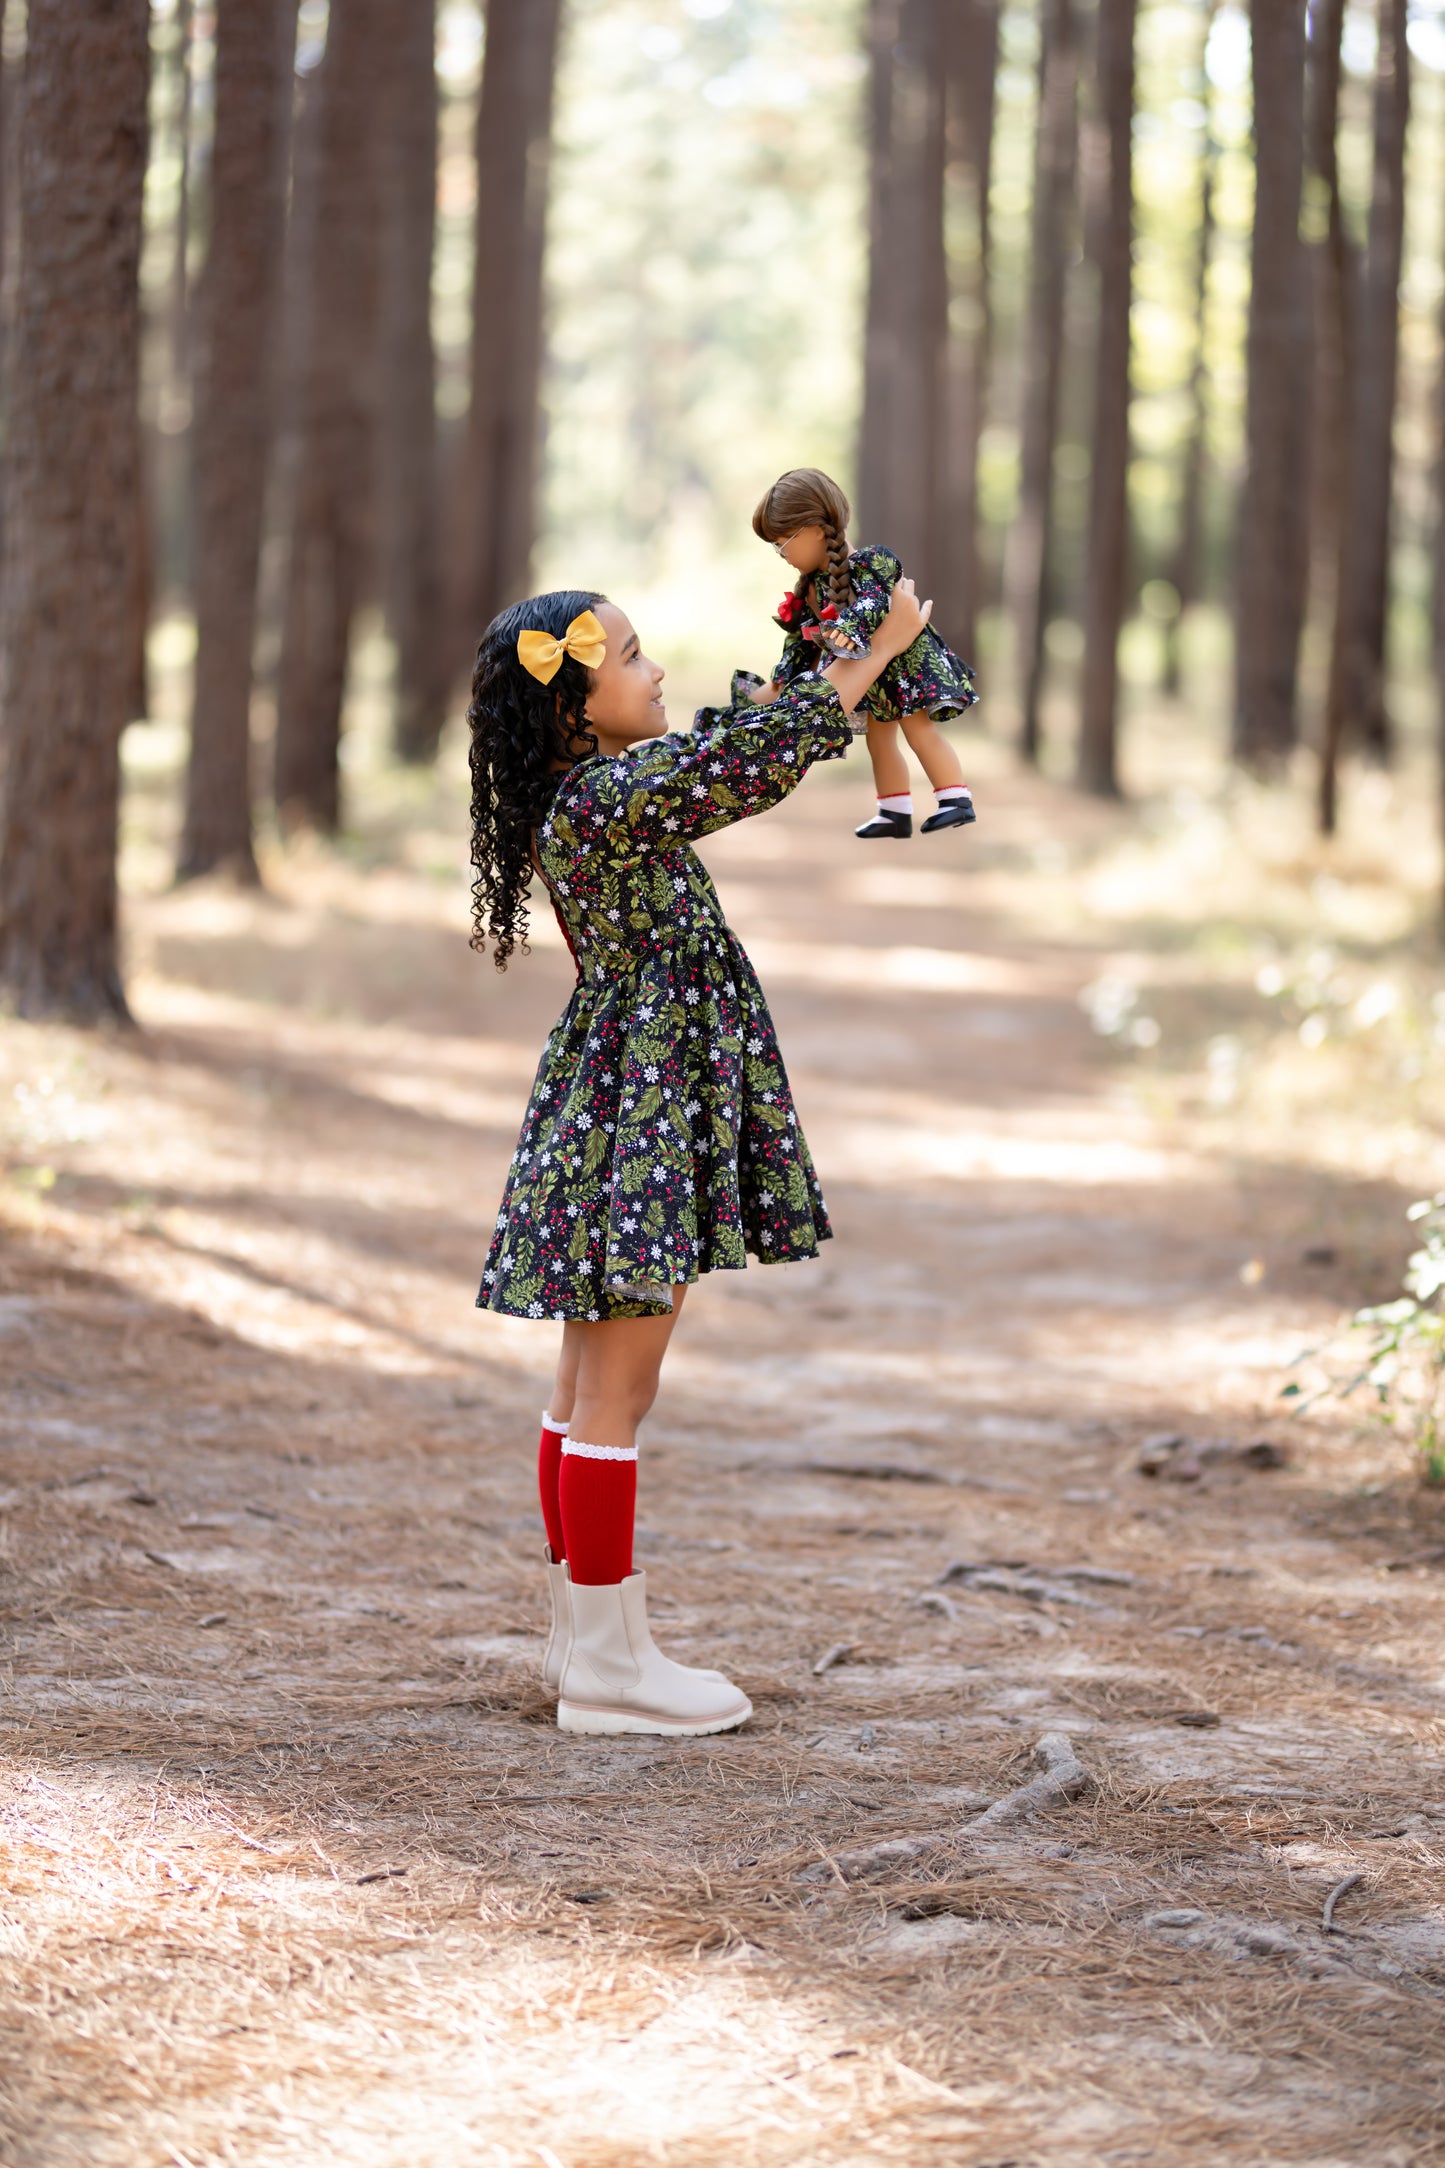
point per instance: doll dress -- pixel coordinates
(927, 678)
(660, 1140)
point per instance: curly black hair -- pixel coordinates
(521, 729)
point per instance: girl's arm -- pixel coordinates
(670, 789)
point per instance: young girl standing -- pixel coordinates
(660, 1140)
(839, 600)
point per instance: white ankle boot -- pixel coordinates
(559, 1638)
(616, 1679)
(559, 1633)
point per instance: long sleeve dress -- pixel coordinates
(926, 679)
(660, 1140)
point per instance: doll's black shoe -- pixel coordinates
(953, 813)
(885, 823)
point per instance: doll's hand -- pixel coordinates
(905, 620)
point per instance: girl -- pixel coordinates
(838, 603)
(660, 1141)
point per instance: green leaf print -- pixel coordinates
(595, 1149)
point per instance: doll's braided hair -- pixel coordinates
(520, 729)
(806, 497)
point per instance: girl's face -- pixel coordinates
(805, 551)
(624, 702)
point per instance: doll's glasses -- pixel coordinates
(781, 546)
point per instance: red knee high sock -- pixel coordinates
(549, 1476)
(599, 1502)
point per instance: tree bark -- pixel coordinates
(970, 61)
(235, 383)
(1271, 551)
(1107, 567)
(1377, 349)
(1339, 298)
(337, 401)
(407, 446)
(1187, 558)
(1027, 584)
(907, 310)
(69, 493)
(499, 476)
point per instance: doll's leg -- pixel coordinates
(890, 769)
(890, 780)
(937, 758)
(941, 764)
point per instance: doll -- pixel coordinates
(839, 600)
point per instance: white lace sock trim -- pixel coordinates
(902, 803)
(599, 1452)
(548, 1424)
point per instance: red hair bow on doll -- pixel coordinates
(787, 608)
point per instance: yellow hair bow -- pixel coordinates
(584, 640)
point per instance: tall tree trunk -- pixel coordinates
(1437, 589)
(970, 72)
(1109, 482)
(235, 382)
(337, 401)
(1273, 515)
(407, 445)
(1027, 570)
(907, 312)
(69, 494)
(1186, 562)
(1340, 298)
(1377, 348)
(499, 474)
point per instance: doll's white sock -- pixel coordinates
(903, 803)
(950, 791)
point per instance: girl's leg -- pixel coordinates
(616, 1378)
(556, 1420)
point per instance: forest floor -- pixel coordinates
(297, 1868)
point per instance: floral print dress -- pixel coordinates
(927, 679)
(660, 1140)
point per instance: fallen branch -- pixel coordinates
(1327, 1917)
(1061, 1776)
(834, 1655)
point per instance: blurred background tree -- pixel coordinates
(1121, 319)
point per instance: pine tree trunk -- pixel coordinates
(1377, 348)
(235, 384)
(1187, 558)
(69, 493)
(500, 467)
(1339, 307)
(337, 402)
(407, 445)
(1107, 567)
(1055, 168)
(1273, 514)
(907, 316)
(970, 71)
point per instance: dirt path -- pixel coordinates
(297, 1867)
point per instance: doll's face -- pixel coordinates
(805, 551)
(624, 701)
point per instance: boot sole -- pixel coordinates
(584, 1716)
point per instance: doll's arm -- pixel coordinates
(850, 630)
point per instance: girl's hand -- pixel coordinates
(905, 620)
